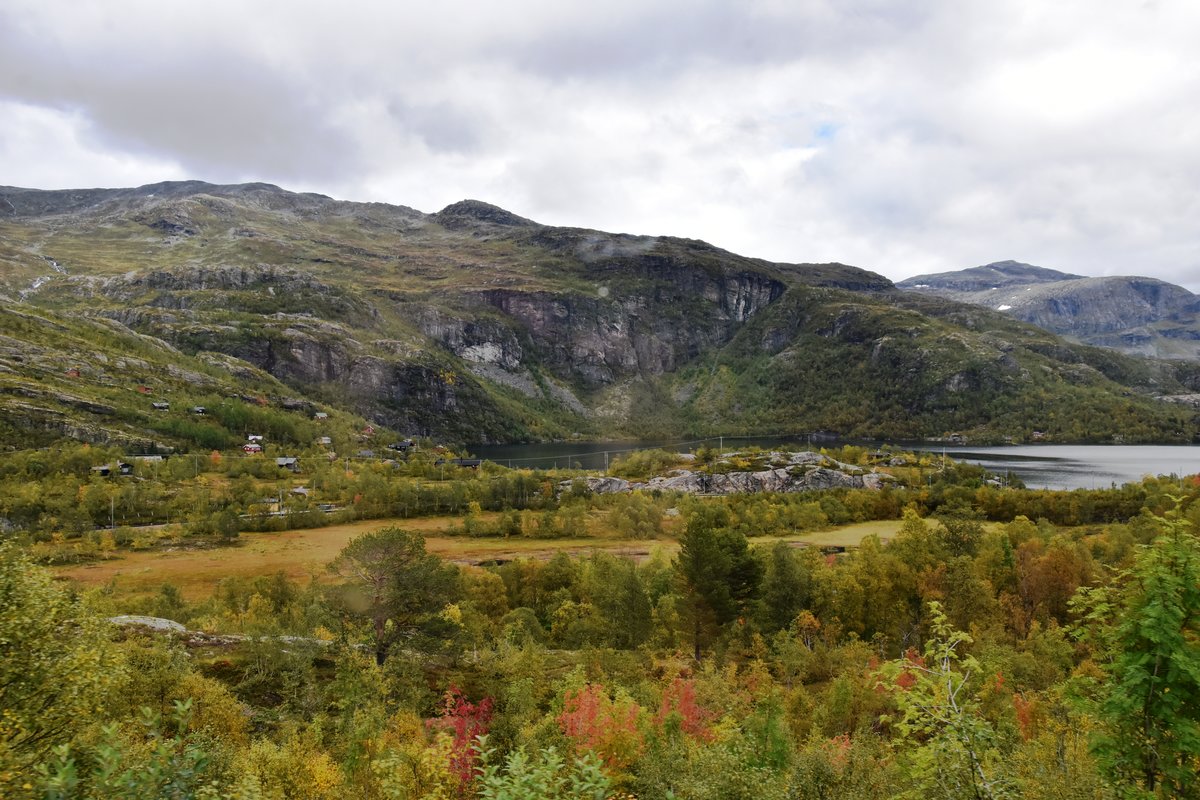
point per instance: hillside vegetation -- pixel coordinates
(1001, 643)
(476, 325)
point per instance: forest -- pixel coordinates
(999, 643)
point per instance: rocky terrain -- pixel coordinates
(1138, 316)
(476, 325)
(786, 472)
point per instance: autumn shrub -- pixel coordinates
(408, 766)
(679, 710)
(642, 464)
(843, 768)
(465, 722)
(296, 768)
(724, 768)
(57, 666)
(604, 725)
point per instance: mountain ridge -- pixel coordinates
(476, 324)
(1131, 314)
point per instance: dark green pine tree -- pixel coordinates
(719, 574)
(786, 588)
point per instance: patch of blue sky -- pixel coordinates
(825, 132)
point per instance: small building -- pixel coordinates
(252, 447)
(199, 410)
(402, 447)
(320, 415)
(365, 454)
(161, 406)
(369, 430)
(301, 491)
(469, 463)
(119, 468)
(325, 440)
(254, 437)
(288, 462)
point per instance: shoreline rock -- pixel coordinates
(796, 472)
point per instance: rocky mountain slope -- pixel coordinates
(91, 378)
(478, 325)
(1139, 316)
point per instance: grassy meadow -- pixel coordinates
(303, 554)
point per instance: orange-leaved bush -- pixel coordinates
(603, 725)
(679, 707)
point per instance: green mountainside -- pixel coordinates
(476, 325)
(92, 379)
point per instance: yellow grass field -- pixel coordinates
(301, 554)
(851, 535)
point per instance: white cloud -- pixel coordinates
(901, 137)
(53, 149)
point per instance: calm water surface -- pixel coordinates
(1049, 466)
(1068, 466)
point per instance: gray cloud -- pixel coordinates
(902, 137)
(663, 39)
(218, 112)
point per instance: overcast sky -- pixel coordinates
(904, 137)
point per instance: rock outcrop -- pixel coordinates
(806, 471)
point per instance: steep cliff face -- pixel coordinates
(600, 340)
(1091, 306)
(1141, 316)
(476, 340)
(544, 345)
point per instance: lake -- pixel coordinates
(1078, 466)
(1050, 466)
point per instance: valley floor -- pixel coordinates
(303, 554)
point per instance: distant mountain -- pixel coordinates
(1139, 316)
(999, 275)
(474, 324)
